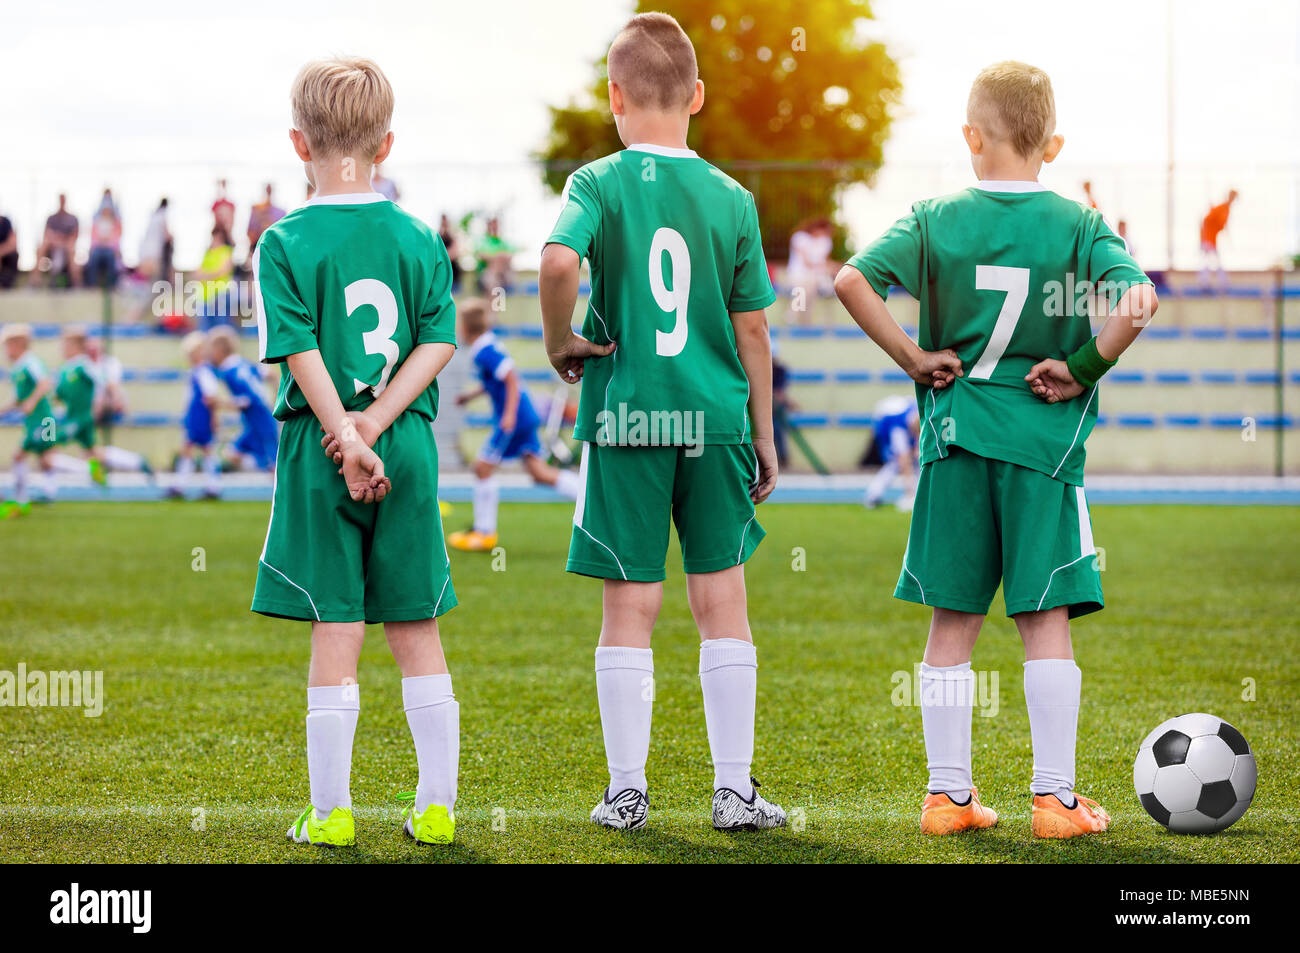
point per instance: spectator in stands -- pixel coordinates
(810, 270)
(8, 253)
(494, 255)
(215, 273)
(261, 217)
(451, 241)
(1215, 221)
(156, 246)
(223, 210)
(1091, 199)
(384, 186)
(102, 265)
(57, 252)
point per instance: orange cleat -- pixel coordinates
(472, 541)
(941, 815)
(1053, 819)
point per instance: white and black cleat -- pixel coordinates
(731, 812)
(625, 812)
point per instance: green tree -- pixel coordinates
(797, 104)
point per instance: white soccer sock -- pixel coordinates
(50, 484)
(212, 470)
(1052, 690)
(729, 680)
(880, 482)
(20, 481)
(118, 458)
(625, 690)
(568, 484)
(185, 467)
(486, 495)
(433, 715)
(332, 712)
(947, 699)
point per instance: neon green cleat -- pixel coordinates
(11, 510)
(337, 830)
(97, 472)
(436, 825)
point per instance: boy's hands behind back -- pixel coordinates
(359, 465)
(936, 369)
(1052, 381)
(765, 453)
(569, 357)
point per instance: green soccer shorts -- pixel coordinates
(37, 439)
(328, 558)
(630, 495)
(78, 430)
(978, 522)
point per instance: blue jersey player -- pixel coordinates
(514, 433)
(203, 396)
(897, 425)
(255, 447)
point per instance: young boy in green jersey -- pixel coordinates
(1006, 377)
(76, 389)
(675, 413)
(353, 296)
(32, 387)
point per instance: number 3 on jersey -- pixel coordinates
(373, 292)
(1015, 283)
(674, 299)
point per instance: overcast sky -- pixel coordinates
(161, 97)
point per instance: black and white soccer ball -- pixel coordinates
(1195, 774)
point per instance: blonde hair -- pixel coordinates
(1013, 102)
(192, 343)
(224, 338)
(75, 332)
(343, 106)
(474, 313)
(16, 330)
(653, 63)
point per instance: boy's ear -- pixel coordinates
(384, 149)
(697, 101)
(1054, 147)
(974, 141)
(615, 99)
(300, 145)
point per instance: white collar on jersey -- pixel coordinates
(482, 341)
(663, 150)
(1010, 185)
(348, 198)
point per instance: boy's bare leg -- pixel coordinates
(432, 712)
(947, 701)
(625, 682)
(333, 707)
(728, 674)
(1052, 693)
(565, 481)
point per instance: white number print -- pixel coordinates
(373, 292)
(674, 299)
(1015, 283)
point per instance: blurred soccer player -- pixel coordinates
(76, 388)
(32, 387)
(514, 427)
(675, 330)
(255, 447)
(897, 426)
(353, 295)
(1006, 379)
(1212, 226)
(203, 396)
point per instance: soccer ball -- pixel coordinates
(1195, 774)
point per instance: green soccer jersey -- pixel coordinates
(76, 388)
(674, 246)
(360, 280)
(1004, 272)
(27, 372)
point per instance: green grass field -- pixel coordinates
(204, 701)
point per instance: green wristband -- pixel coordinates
(1087, 365)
